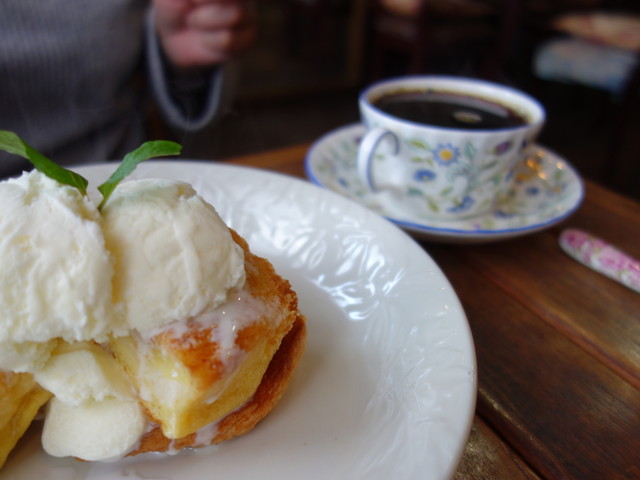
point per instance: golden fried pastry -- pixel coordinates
(271, 388)
(150, 326)
(230, 367)
(21, 400)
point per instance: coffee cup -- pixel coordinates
(444, 147)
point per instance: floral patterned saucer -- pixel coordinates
(547, 190)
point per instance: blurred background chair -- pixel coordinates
(312, 57)
(470, 37)
(597, 50)
(323, 37)
(536, 46)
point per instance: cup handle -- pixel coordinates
(367, 148)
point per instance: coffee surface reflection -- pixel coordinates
(449, 110)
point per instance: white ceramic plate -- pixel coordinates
(386, 387)
(547, 189)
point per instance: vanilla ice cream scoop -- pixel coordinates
(56, 273)
(174, 256)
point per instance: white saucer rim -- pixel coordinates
(457, 232)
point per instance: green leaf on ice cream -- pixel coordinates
(157, 148)
(12, 143)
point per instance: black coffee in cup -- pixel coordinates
(449, 110)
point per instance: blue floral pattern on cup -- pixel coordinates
(442, 172)
(424, 175)
(466, 171)
(446, 154)
(464, 163)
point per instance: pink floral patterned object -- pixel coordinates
(601, 257)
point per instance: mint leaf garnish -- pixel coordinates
(156, 148)
(12, 143)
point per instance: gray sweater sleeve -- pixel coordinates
(187, 103)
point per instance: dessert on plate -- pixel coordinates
(140, 324)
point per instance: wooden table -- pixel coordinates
(557, 345)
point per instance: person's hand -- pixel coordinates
(202, 33)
